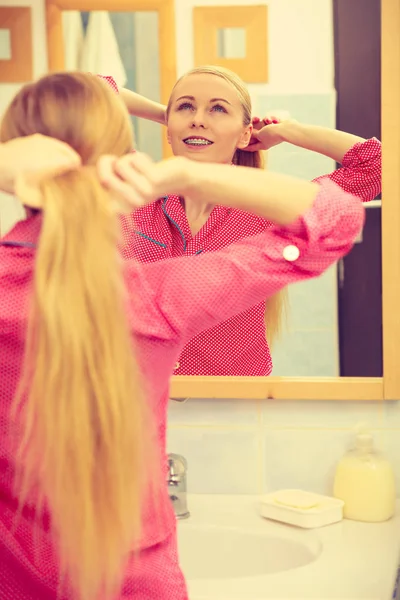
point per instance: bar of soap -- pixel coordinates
(301, 508)
(296, 499)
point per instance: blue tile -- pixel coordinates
(313, 109)
(306, 354)
(313, 303)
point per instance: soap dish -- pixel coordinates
(304, 509)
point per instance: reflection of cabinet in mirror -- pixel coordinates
(360, 303)
(360, 272)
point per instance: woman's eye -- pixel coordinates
(219, 108)
(185, 106)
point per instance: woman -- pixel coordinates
(88, 342)
(209, 119)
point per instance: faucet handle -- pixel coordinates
(177, 465)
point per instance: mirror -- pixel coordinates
(231, 42)
(5, 44)
(307, 79)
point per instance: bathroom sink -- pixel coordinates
(220, 552)
(229, 552)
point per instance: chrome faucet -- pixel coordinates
(176, 480)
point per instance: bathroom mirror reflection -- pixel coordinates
(333, 325)
(5, 44)
(120, 44)
(231, 42)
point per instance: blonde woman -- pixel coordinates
(88, 342)
(208, 119)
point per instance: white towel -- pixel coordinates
(100, 49)
(73, 39)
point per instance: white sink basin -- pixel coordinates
(216, 552)
(228, 552)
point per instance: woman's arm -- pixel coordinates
(329, 142)
(275, 197)
(361, 160)
(142, 107)
(137, 105)
(272, 131)
(181, 297)
(138, 181)
(361, 170)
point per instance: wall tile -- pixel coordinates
(222, 412)
(313, 303)
(297, 444)
(306, 354)
(219, 461)
(391, 412)
(324, 415)
(389, 442)
(304, 459)
(313, 109)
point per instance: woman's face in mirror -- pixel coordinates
(205, 121)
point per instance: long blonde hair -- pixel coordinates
(276, 305)
(86, 436)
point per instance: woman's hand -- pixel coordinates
(33, 154)
(135, 180)
(268, 132)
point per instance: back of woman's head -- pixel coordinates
(77, 108)
(86, 434)
(276, 305)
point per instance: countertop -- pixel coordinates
(359, 561)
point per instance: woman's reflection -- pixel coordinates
(209, 120)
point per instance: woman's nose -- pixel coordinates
(199, 119)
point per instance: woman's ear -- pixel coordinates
(168, 136)
(245, 137)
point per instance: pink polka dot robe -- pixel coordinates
(171, 302)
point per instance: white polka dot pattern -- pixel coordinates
(161, 230)
(171, 301)
(177, 299)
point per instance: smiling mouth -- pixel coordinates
(197, 141)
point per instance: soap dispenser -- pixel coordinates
(365, 482)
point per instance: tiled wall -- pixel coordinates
(253, 447)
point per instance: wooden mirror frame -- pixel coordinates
(298, 388)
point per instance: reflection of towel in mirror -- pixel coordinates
(73, 39)
(100, 49)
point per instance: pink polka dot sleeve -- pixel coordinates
(189, 296)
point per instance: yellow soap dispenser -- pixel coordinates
(365, 482)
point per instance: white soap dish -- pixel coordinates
(304, 509)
